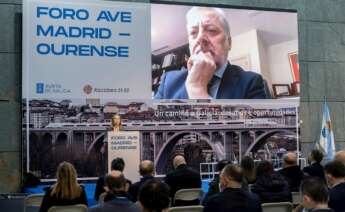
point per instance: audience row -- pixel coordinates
(241, 187)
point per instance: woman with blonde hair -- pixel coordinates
(66, 190)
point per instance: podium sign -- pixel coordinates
(125, 144)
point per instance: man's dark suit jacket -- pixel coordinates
(235, 84)
(337, 198)
(234, 200)
(315, 170)
(135, 187)
(181, 178)
(293, 175)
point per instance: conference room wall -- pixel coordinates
(321, 38)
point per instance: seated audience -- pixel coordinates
(66, 190)
(335, 174)
(315, 168)
(248, 168)
(232, 197)
(291, 171)
(117, 198)
(270, 186)
(146, 170)
(213, 186)
(154, 196)
(314, 196)
(117, 164)
(340, 156)
(181, 178)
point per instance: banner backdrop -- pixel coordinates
(86, 49)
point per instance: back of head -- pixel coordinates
(340, 156)
(178, 160)
(115, 181)
(234, 172)
(264, 167)
(146, 167)
(247, 163)
(317, 155)
(316, 189)
(154, 195)
(290, 159)
(221, 164)
(118, 164)
(248, 168)
(335, 168)
(66, 186)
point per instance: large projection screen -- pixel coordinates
(85, 61)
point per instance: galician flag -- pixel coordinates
(326, 142)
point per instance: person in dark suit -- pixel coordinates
(117, 164)
(270, 186)
(335, 174)
(181, 178)
(117, 198)
(232, 197)
(315, 169)
(291, 171)
(314, 196)
(213, 186)
(209, 74)
(146, 170)
(154, 196)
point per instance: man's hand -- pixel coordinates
(201, 67)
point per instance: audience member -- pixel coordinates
(314, 196)
(117, 164)
(291, 171)
(335, 174)
(248, 168)
(154, 196)
(66, 190)
(146, 170)
(340, 156)
(181, 178)
(315, 168)
(270, 185)
(117, 198)
(213, 186)
(232, 197)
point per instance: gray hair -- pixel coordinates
(217, 11)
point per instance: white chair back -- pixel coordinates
(34, 200)
(101, 198)
(188, 194)
(277, 207)
(194, 208)
(69, 208)
(296, 198)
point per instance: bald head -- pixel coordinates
(290, 159)
(146, 167)
(178, 160)
(340, 156)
